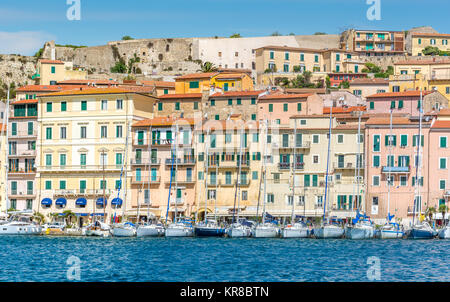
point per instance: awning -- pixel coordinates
(81, 214)
(81, 201)
(102, 201)
(98, 214)
(46, 202)
(61, 201)
(116, 202)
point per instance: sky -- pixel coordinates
(25, 25)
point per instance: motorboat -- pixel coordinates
(266, 230)
(444, 233)
(126, 229)
(150, 230)
(296, 230)
(391, 230)
(179, 229)
(209, 228)
(20, 225)
(422, 231)
(239, 229)
(363, 229)
(98, 229)
(329, 231)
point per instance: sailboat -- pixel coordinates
(149, 229)
(238, 228)
(297, 229)
(266, 229)
(179, 227)
(419, 230)
(123, 229)
(444, 233)
(326, 229)
(360, 228)
(390, 230)
(97, 229)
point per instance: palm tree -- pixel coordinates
(38, 217)
(442, 209)
(68, 215)
(430, 212)
(208, 67)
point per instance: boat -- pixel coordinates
(296, 230)
(208, 229)
(444, 233)
(422, 231)
(327, 229)
(126, 229)
(265, 230)
(150, 230)
(390, 230)
(181, 228)
(363, 229)
(97, 229)
(20, 225)
(239, 229)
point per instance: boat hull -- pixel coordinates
(123, 232)
(444, 233)
(391, 234)
(327, 232)
(20, 230)
(179, 232)
(294, 233)
(97, 233)
(265, 232)
(238, 232)
(421, 234)
(358, 233)
(208, 232)
(149, 231)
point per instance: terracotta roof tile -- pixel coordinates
(24, 102)
(337, 110)
(158, 83)
(45, 61)
(411, 93)
(223, 76)
(430, 35)
(374, 81)
(81, 82)
(236, 93)
(285, 96)
(90, 91)
(182, 96)
(433, 61)
(441, 125)
(204, 75)
(163, 121)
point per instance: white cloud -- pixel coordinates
(23, 42)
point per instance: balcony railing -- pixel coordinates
(143, 179)
(22, 171)
(80, 168)
(345, 166)
(181, 161)
(284, 166)
(389, 169)
(224, 183)
(146, 161)
(22, 134)
(82, 192)
(228, 164)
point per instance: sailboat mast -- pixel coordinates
(104, 187)
(149, 172)
(389, 167)
(6, 150)
(418, 164)
(294, 167)
(328, 161)
(206, 172)
(240, 170)
(265, 181)
(359, 161)
(176, 172)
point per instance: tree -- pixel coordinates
(68, 215)
(430, 211)
(38, 217)
(275, 33)
(207, 67)
(303, 80)
(442, 209)
(319, 33)
(236, 35)
(120, 67)
(344, 84)
(328, 82)
(271, 69)
(430, 51)
(126, 38)
(371, 68)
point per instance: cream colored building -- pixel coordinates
(3, 159)
(364, 87)
(50, 72)
(82, 151)
(422, 40)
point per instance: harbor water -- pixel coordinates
(44, 258)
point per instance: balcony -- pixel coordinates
(25, 153)
(447, 194)
(145, 161)
(395, 170)
(223, 183)
(284, 166)
(161, 142)
(27, 195)
(22, 171)
(230, 164)
(154, 180)
(188, 161)
(177, 201)
(23, 134)
(345, 166)
(186, 181)
(81, 168)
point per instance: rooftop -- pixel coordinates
(368, 81)
(45, 61)
(163, 121)
(181, 96)
(410, 93)
(237, 93)
(203, 75)
(90, 91)
(285, 96)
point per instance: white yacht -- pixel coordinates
(266, 230)
(444, 233)
(329, 231)
(123, 230)
(179, 229)
(391, 231)
(363, 229)
(150, 230)
(20, 225)
(296, 230)
(238, 230)
(97, 229)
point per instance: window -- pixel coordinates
(119, 104)
(316, 58)
(286, 56)
(270, 107)
(315, 159)
(104, 104)
(48, 133)
(160, 106)
(49, 107)
(217, 117)
(104, 132)
(53, 68)
(177, 106)
(119, 131)
(62, 159)
(270, 198)
(376, 161)
(271, 55)
(403, 181)
(83, 159)
(239, 102)
(253, 117)
(376, 143)
(63, 133)
(194, 85)
(285, 107)
(340, 138)
(103, 184)
(48, 184)
(315, 139)
(390, 140)
(375, 180)
(253, 101)
(200, 175)
(62, 184)
(213, 103)
(255, 175)
(306, 180)
(118, 158)
(443, 163)
(286, 67)
(443, 142)
(83, 132)
(195, 105)
(442, 184)
(416, 140)
(83, 105)
(372, 105)
(392, 104)
(48, 160)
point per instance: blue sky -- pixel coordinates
(26, 24)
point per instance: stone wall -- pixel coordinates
(17, 69)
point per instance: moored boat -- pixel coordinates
(266, 230)
(150, 230)
(179, 229)
(20, 225)
(444, 233)
(237, 230)
(391, 230)
(422, 231)
(329, 231)
(123, 230)
(209, 229)
(296, 230)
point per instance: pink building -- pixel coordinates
(151, 161)
(396, 156)
(22, 135)
(439, 160)
(406, 102)
(279, 108)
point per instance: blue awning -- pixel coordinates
(46, 202)
(98, 214)
(102, 201)
(116, 202)
(81, 201)
(82, 214)
(61, 201)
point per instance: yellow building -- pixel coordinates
(422, 40)
(82, 150)
(221, 146)
(213, 81)
(49, 72)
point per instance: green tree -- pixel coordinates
(328, 82)
(275, 33)
(68, 215)
(120, 67)
(38, 217)
(236, 35)
(344, 84)
(430, 211)
(126, 38)
(208, 67)
(443, 209)
(430, 51)
(303, 80)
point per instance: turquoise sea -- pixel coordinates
(220, 259)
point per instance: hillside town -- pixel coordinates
(288, 126)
